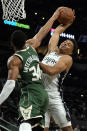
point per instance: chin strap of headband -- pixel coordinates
(6, 91)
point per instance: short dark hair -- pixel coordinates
(74, 53)
(18, 38)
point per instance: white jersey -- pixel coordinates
(53, 85)
(50, 82)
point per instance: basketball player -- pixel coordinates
(25, 62)
(56, 65)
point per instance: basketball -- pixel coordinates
(66, 15)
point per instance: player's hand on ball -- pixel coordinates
(57, 12)
(66, 15)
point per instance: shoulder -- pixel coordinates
(66, 57)
(14, 61)
(67, 60)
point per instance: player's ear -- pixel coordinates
(74, 14)
(73, 11)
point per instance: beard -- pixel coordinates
(62, 51)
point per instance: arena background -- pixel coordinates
(75, 85)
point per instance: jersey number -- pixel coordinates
(36, 72)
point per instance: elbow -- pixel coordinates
(52, 72)
(48, 71)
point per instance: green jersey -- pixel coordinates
(34, 99)
(30, 72)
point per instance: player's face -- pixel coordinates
(67, 46)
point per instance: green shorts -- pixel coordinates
(33, 102)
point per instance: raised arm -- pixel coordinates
(56, 35)
(60, 29)
(36, 40)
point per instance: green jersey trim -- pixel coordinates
(27, 47)
(19, 56)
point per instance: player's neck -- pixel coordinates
(24, 47)
(62, 52)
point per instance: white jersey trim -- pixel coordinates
(19, 56)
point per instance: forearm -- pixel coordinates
(61, 28)
(54, 40)
(37, 39)
(47, 69)
(6, 91)
(46, 28)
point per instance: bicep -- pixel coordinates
(64, 64)
(13, 73)
(14, 65)
(59, 67)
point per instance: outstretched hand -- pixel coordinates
(57, 12)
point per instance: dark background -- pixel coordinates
(75, 85)
(45, 8)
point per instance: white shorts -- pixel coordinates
(57, 110)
